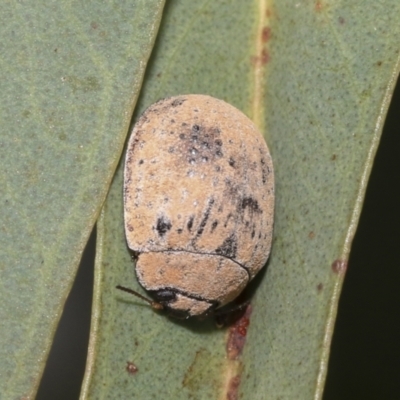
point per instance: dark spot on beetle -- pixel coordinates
(320, 286)
(217, 168)
(205, 217)
(228, 247)
(141, 162)
(231, 162)
(253, 234)
(182, 136)
(264, 170)
(259, 235)
(195, 128)
(163, 225)
(190, 223)
(251, 204)
(227, 219)
(218, 142)
(339, 266)
(171, 149)
(180, 230)
(130, 228)
(218, 153)
(214, 225)
(232, 190)
(172, 121)
(178, 102)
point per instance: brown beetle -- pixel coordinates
(199, 203)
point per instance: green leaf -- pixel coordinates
(317, 78)
(71, 72)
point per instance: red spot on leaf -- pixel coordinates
(237, 335)
(339, 266)
(131, 368)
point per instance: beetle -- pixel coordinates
(198, 203)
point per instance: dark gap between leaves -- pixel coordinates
(65, 366)
(365, 352)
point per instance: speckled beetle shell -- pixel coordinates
(199, 202)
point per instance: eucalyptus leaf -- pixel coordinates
(71, 72)
(317, 79)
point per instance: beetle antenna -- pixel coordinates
(153, 304)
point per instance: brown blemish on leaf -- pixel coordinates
(311, 235)
(334, 157)
(318, 5)
(266, 34)
(237, 335)
(339, 266)
(233, 387)
(341, 20)
(94, 25)
(379, 63)
(320, 286)
(262, 59)
(131, 368)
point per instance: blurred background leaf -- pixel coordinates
(71, 73)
